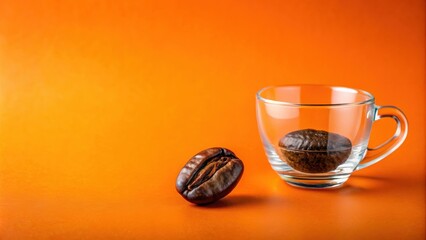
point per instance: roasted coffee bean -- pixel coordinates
(209, 176)
(315, 151)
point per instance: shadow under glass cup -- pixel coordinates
(315, 136)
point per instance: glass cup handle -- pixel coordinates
(376, 154)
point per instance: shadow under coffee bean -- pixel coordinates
(315, 151)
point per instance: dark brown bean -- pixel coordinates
(209, 175)
(315, 151)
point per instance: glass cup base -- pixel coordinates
(315, 182)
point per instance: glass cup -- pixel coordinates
(316, 136)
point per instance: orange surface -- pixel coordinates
(102, 103)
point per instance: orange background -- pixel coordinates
(103, 102)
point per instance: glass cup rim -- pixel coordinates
(369, 100)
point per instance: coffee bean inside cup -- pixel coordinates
(209, 176)
(314, 151)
